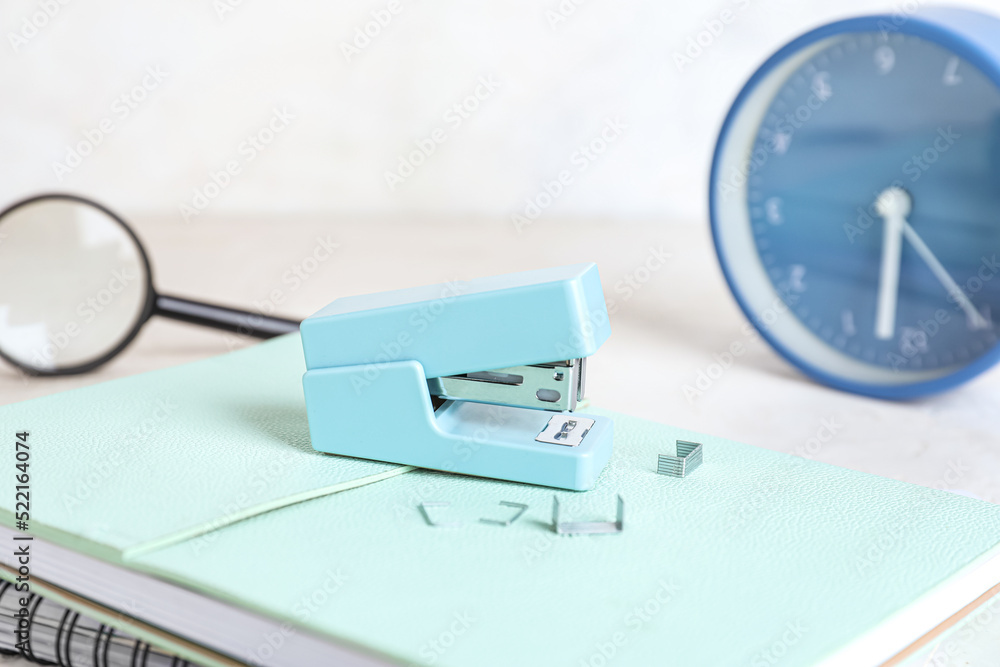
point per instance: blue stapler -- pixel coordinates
(460, 377)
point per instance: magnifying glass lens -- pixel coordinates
(73, 285)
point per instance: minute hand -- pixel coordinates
(975, 317)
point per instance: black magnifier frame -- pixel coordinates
(211, 315)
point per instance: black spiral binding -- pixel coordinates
(4, 585)
(68, 634)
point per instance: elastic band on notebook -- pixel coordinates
(256, 510)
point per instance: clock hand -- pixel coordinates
(975, 317)
(893, 205)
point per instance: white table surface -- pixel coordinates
(664, 334)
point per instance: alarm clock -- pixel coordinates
(855, 201)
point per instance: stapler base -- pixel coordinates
(388, 416)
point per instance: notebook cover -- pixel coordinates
(146, 460)
(755, 553)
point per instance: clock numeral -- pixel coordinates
(791, 287)
(951, 76)
(847, 322)
(913, 342)
(821, 86)
(896, 361)
(772, 208)
(795, 275)
(780, 142)
(979, 325)
(885, 59)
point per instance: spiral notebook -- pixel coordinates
(57, 635)
(188, 505)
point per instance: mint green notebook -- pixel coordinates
(757, 558)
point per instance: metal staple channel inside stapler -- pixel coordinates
(558, 385)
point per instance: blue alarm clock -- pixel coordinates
(855, 201)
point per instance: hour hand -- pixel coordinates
(893, 205)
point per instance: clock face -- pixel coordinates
(872, 199)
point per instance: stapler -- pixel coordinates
(460, 377)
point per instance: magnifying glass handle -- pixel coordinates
(221, 317)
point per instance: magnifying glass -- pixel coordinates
(76, 286)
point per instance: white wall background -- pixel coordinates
(229, 63)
